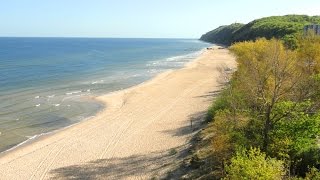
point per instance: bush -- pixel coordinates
(313, 174)
(219, 104)
(253, 164)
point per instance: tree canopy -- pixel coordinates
(281, 27)
(268, 115)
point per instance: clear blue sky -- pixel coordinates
(137, 18)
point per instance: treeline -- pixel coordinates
(222, 35)
(266, 122)
(287, 28)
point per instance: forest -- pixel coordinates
(265, 124)
(287, 28)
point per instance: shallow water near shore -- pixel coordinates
(48, 83)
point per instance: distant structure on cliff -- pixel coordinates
(312, 27)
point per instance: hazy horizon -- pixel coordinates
(139, 19)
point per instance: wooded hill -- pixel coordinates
(265, 124)
(281, 27)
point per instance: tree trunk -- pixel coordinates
(266, 129)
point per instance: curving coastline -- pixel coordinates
(132, 138)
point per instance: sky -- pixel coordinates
(136, 18)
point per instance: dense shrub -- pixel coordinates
(254, 164)
(267, 106)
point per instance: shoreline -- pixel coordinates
(97, 99)
(115, 104)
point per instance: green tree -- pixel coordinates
(271, 103)
(254, 164)
(294, 136)
(228, 130)
(266, 75)
(313, 174)
(309, 66)
(288, 28)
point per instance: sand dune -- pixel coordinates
(135, 137)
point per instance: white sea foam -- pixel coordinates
(175, 60)
(73, 92)
(71, 97)
(61, 93)
(97, 82)
(30, 138)
(136, 75)
(154, 71)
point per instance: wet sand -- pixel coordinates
(139, 135)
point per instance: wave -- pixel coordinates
(35, 137)
(72, 97)
(97, 82)
(175, 61)
(40, 98)
(73, 92)
(51, 96)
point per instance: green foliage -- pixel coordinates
(219, 104)
(307, 159)
(290, 40)
(254, 164)
(228, 128)
(282, 27)
(222, 102)
(313, 174)
(222, 34)
(266, 75)
(273, 79)
(294, 136)
(230, 99)
(295, 131)
(272, 103)
(309, 53)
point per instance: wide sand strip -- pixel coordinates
(138, 136)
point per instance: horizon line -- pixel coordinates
(88, 37)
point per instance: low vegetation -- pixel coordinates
(266, 122)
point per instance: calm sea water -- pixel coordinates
(47, 83)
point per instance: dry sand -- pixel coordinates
(138, 136)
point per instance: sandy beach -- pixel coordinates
(139, 135)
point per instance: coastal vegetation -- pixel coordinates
(265, 124)
(222, 34)
(288, 28)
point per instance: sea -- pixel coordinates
(48, 83)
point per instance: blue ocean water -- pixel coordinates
(48, 83)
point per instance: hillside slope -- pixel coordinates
(283, 27)
(222, 34)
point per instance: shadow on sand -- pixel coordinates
(156, 165)
(210, 95)
(117, 168)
